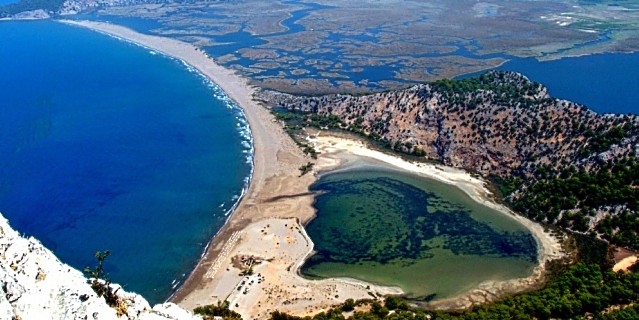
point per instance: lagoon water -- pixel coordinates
(427, 237)
(107, 146)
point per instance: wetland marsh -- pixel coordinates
(336, 46)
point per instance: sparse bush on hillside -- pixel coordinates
(221, 309)
(101, 284)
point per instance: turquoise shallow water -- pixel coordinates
(106, 145)
(429, 238)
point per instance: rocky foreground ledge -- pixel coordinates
(35, 284)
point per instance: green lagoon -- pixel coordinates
(429, 238)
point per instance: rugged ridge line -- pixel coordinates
(499, 124)
(504, 127)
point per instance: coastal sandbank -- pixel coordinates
(276, 191)
(268, 222)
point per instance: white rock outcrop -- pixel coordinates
(34, 284)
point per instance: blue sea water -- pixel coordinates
(606, 83)
(106, 145)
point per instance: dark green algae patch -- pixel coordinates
(426, 237)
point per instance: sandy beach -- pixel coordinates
(549, 248)
(266, 234)
(277, 195)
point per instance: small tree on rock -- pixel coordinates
(101, 284)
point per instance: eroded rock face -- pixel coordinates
(501, 124)
(34, 284)
(504, 127)
(32, 15)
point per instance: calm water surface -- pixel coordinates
(429, 238)
(106, 145)
(606, 83)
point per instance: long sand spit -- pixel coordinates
(268, 222)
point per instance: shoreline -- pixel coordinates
(266, 137)
(276, 196)
(549, 248)
(267, 223)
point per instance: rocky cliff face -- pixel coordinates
(495, 124)
(34, 284)
(557, 162)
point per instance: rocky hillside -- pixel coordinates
(43, 9)
(34, 284)
(556, 161)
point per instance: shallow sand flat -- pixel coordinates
(282, 246)
(278, 197)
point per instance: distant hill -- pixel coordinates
(30, 5)
(555, 161)
(64, 7)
